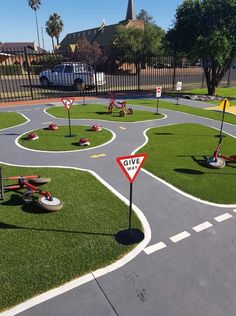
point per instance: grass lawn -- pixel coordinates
(56, 140)
(99, 112)
(178, 153)
(229, 118)
(220, 92)
(9, 119)
(40, 251)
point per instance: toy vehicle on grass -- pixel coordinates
(45, 200)
(73, 74)
(120, 106)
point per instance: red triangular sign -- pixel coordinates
(68, 103)
(131, 165)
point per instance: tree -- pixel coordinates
(205, 29)
(145, 16)
(54, 26)
(35, 5)
(50, 33)
(87, 52)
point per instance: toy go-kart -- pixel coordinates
(45, 200)
(120, 106)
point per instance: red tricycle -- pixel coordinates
(45, 200)
(120, 106)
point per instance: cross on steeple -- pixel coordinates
(130, 15)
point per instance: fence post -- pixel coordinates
(28, 72)
(174, 74)
(138, 71)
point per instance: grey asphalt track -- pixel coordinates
(195, 272)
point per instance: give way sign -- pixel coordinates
(68, 103)
(131, 165)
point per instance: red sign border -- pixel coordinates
(72, 101)
(160, 91)
(118, 159)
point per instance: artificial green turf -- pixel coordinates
(229, 92)
(41, 250)
(9, 119)
(229, 118)
(178, 155)
(99, 112)
(59, 140)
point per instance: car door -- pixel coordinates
(68, 75)
(57, 75)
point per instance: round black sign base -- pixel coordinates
(129, 236)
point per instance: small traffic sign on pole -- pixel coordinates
(68, 104)
(130, 165)
(178, 88)
(158, 95)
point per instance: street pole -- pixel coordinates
(130, 207)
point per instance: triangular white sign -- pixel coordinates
(67, 103)
(131, 165)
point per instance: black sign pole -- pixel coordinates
(69, 122)
(222, 121)
(157, 105)
(130, 207)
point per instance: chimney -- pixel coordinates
(130, 15)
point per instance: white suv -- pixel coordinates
(77, 75)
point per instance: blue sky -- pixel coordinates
(17, 21)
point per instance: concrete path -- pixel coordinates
(187, 269)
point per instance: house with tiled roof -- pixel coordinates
(104, 35)
(30, 47)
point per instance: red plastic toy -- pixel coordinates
(120, 106)
(96, 128)
(53, 127)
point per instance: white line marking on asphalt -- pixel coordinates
(27, 110)
(180, 236)
(202, 226)
(100, 272)
(223, 217)
(234, 210)
(155, 247)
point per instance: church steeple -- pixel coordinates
(130, 15)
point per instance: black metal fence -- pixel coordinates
(21, 71)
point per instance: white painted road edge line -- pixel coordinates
(223, 217)
(90, 276)
(180, 236)
(172, 186)
(154, 248)
(27, 121)
(202, 226)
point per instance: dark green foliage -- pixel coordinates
(7, 70)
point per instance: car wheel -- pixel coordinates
(78, 84)
(44, 82)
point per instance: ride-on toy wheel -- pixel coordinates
(218, 163)
(39, 181)
(50, 205)
(130, 111)
(122, 113)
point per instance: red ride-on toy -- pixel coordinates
(45, 200)
(119, 105)
(218, 160)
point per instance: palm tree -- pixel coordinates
(35, 5)
(49, 32)
(55, 26)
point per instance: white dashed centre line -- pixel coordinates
(202, 226)
(223, 217)
(155, 247)
(180, 236)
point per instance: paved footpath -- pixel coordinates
(186, 266)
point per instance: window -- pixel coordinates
(58, 68)
(68, 69)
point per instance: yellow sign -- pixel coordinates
(221, 106)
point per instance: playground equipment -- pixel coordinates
(84, 142)
(120, 106)
(53, 127)
(218, 160)
(32, 136)
(96, 128)
(45, 200)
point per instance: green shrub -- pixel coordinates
(6, 70)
